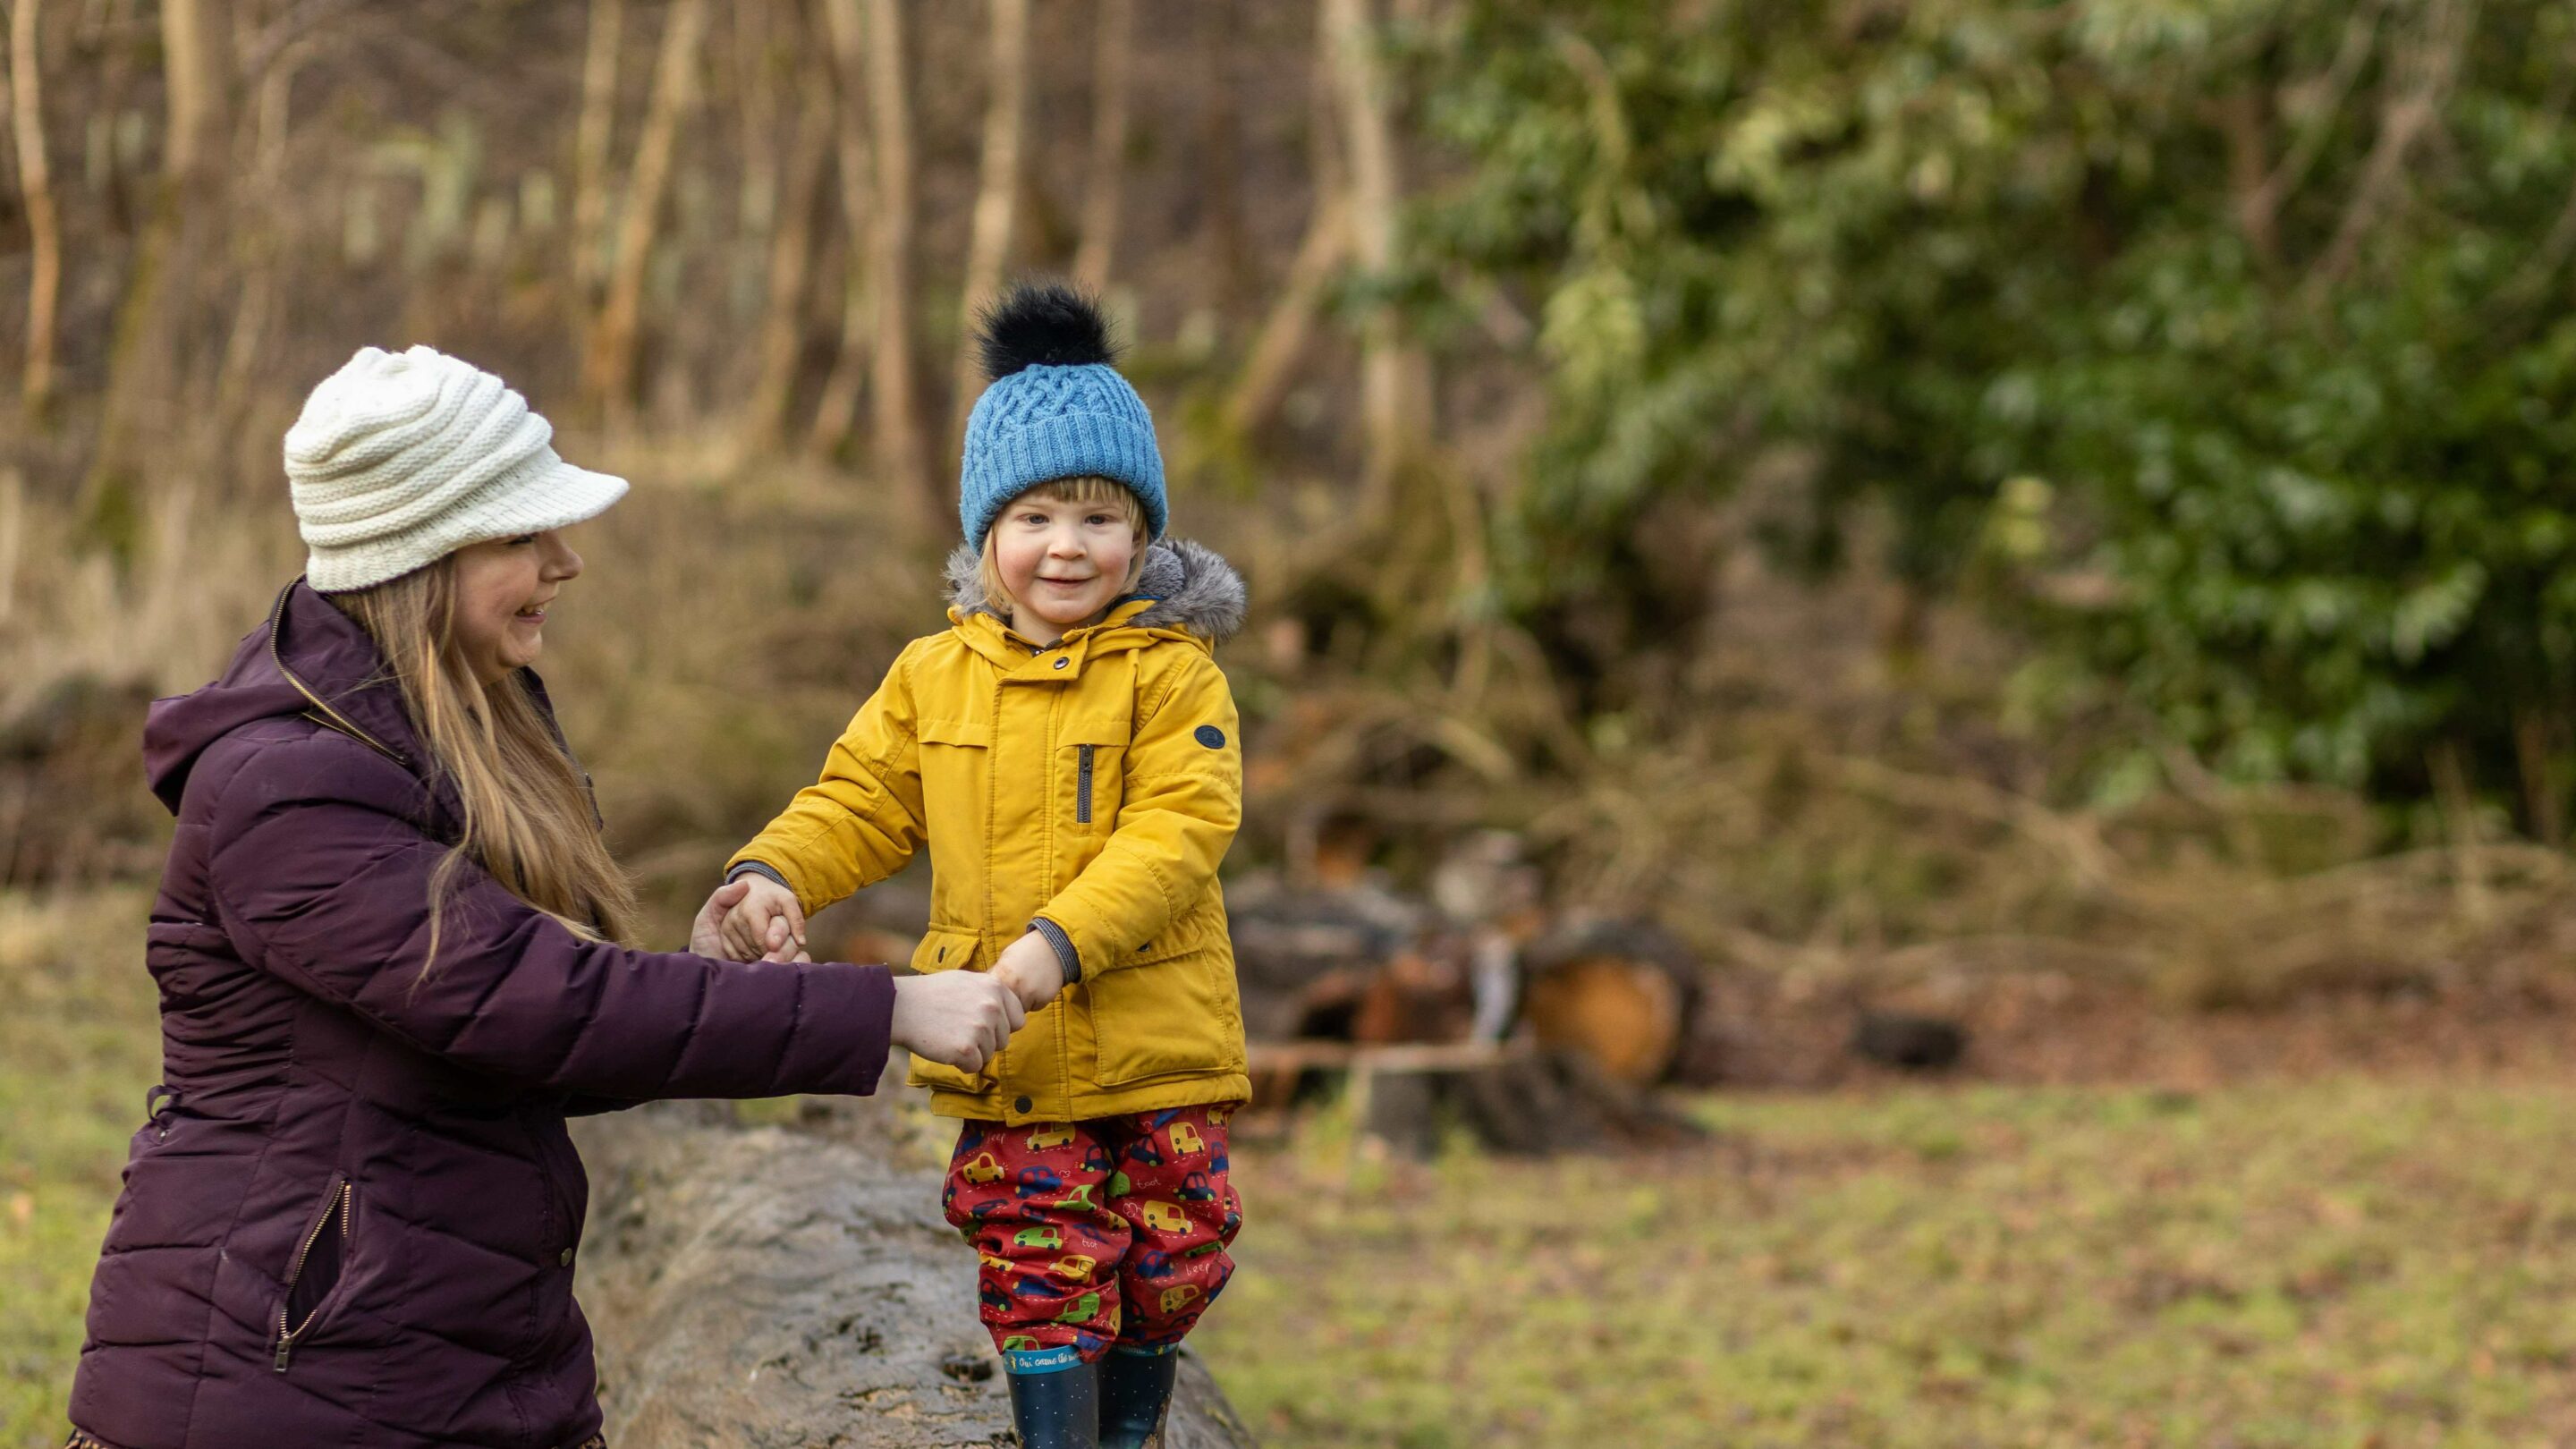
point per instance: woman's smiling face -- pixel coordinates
(502, 590)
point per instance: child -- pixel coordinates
(1068, 750)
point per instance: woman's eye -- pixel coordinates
(522, 539)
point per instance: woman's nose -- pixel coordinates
(561, 562)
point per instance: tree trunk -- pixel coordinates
(776, 1286)
(1220, 168)
(1277, 349)
(592, 140)
(610, 365)
(903, 457)
(876, 171)
(996, 196)
(196, 39)
(158, 322)
(791, 256)
(1394, 376)
(1105, 187)
(35, 182)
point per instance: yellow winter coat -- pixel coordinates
(1096, 784)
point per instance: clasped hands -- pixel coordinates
(961, 1018)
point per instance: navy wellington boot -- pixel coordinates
(1059, 1409)
(1135, 1389)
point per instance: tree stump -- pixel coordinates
(775, 1287)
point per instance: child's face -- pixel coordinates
(1063, 562)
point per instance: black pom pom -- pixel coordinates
(1042, 323)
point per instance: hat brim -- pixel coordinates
(568, 496)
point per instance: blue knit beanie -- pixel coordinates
(1055, 409)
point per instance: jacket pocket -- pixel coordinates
(1165, 1012)
(320, 1266)
(1093, 764)
(943, 950)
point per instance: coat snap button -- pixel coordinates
(1062, 663)
(1022, 1105)
(564, 1258)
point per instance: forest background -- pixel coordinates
(2058, 513)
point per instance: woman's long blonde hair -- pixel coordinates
(529, 821)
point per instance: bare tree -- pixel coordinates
(196, 38)
(791, 252)
(1394, 376)
(998, 186)
(1228, 269)
(609, 371)
(1112, 51)
(1271, 363)
(591, 147)
(35, 182)
(876, 171)
(151, 359)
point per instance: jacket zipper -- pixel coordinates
(286, 1334)
(1082, 785)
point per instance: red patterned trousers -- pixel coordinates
(1093, 1235)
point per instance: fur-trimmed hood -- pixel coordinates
(1193, 589)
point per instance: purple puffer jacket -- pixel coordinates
(351, 1219)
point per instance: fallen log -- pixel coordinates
(780, 1286)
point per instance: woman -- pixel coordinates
(386, 942)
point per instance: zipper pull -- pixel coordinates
(283, 1345)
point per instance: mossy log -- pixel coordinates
(778, 1286)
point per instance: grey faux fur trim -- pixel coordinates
(1194, 589)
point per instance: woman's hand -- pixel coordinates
(960, 1018)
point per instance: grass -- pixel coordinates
(2336, 1263)
(2339, 1262)
(78, 1046)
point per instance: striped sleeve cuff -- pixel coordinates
(754, 867)
(1065, 954)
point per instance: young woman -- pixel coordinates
(387, 947)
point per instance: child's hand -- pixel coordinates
(765, 925)
(1029, 967)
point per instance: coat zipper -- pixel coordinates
(287, 1335)
(1082, 785)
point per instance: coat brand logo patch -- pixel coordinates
(1211, 736)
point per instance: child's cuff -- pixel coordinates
(1065, 953)
(743, 868)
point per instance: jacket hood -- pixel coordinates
(1192, 590)
(306, 658)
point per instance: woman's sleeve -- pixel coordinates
(859, 822)
(325, 882)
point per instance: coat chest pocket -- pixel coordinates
(949, 951)
(1090, 767)
(956, 757)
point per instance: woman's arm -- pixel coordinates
(319, 876)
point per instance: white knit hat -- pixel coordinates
(400, 459)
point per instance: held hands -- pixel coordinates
(960, 1018)
(963, 1017)
(756, 919)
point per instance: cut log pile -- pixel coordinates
(1473, 1009)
